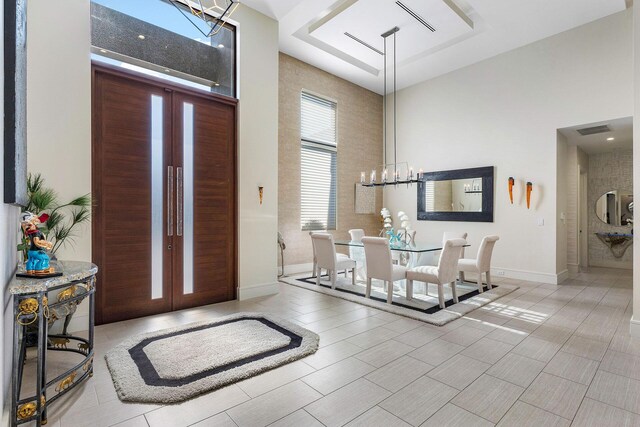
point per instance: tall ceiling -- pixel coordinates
(343, 37)
(619, 136)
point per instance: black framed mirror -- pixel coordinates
(457, 195)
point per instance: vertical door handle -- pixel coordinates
(169, 200)
(179, 201)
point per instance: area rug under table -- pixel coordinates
(424, 304)
(173, 365)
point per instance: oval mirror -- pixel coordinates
(615, 207)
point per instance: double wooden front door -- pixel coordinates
(164, 190)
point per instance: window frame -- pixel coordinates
(324, 147)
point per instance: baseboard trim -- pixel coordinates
(298, 268)
(78, 323)
(634, 327)
(531, 276)
(573, 268)
(612, 264)
(255, 291)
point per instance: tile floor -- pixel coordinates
(542, 355)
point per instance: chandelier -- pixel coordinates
(392, 173)
(215, 13)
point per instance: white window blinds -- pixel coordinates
(318, 163)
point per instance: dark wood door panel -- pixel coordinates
(214, 212)
(122, 198)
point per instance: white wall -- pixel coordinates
(59, 129)
(505, 112)
(257, 154)
(635, 320)
(59, 109)
(562, 187)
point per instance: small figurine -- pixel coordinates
(38, 260)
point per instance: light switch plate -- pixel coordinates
(540, 222)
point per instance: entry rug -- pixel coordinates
(173, 365)
(424, 304)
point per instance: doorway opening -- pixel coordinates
(599, 205)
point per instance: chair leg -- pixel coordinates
(409, 294)
(318, 272)
(441, 295)
(353, 276)
(488, 274)
(462, 277)
(368, 291)
(480, 285)
(390, 293)
(454, 292)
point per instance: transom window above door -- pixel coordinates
(154, 38)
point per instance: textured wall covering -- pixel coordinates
(608, 171)
(359, 149)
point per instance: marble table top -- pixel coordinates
(71, 271)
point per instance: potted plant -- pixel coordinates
(64, 218)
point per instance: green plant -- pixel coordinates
(64, 218)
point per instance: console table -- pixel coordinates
(34, 313)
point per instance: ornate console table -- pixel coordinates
(34, 313)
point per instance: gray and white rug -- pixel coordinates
(174, 365)
(423, 306)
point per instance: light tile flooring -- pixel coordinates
(543, 355)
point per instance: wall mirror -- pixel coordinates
(457, 195)
(615, 207)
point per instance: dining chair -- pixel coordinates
(428, 258)
(380, 265)
(444, 273)
(357, 253)
(327, 258)
(313, 246)
(481, 264)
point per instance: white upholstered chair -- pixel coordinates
(482, 264)
(380, 265)
(313, 245)
(431, 259)
(444, 273)
(357, 253)
(327, 258)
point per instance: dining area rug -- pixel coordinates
(423, 306)
(173, 365)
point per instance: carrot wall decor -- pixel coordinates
(511, 184)
(529, 189)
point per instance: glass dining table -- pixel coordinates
(409, 255)
(398, 247)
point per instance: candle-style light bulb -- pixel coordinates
(384, 176)
(373, 176)
(361, 177)
(420, 173)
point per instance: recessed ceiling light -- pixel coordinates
(103, 51)
(141, 37)
(167, 71)
(216, 84)
(610, 139)
(220, 46)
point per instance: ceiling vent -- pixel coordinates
(594, 130)
(416, 16)
(363, 43)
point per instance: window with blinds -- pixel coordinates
(318, 155)
(430, 196)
